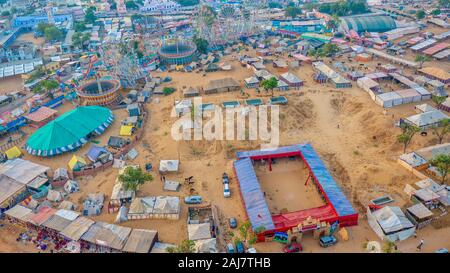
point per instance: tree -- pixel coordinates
(436, 12)
(187, 3)
(442, 164)
(407, 135)
(90, 17)
(42, 26)
(444, 3)
(292, 11)
(6, 13)
(79, 26)
(269, 84)
(420, 14)
(442, 129)
(334, 22)
(168, 90)
(275, 5)
(53, 33)
(438, 99)
(202, 45)
(45, 86)
(187, 246)
(131, 5)
(329, 50)
(421, 59)
(132, 178)
(79, 39)
(246, 233)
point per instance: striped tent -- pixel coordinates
(69, 131)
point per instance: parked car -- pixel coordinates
(327, 241)
(225, 179)
(226, 190)
(193, 199)
(293, 248)
(232, 222)
(230, 248)
(240, 247)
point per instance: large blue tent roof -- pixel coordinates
(330, 187)
(254, 201)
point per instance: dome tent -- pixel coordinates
(69, 131)
(370, 23)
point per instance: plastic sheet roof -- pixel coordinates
(377, 23)
(329, 186)
(255, 203)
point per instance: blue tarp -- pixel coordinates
(255, 203)
(329, 186)
(94, 152)
(13, 125)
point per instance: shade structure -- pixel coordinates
(13, 152)
(69, 131)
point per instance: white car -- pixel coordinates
(226, 190)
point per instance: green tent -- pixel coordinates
(69, 131)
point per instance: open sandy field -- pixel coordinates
(355, 138)
(11, 84)
(285, 187)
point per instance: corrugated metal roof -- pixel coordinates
(329, 186)
(254, 200)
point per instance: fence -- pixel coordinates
(13, 143)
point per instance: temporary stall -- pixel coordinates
(13, 152)
(42, 215)
(409, 95)
(93, 204)
(367, 84)
(388, 100)
(419, 215)
(67, 205)
(140, 241)
(191, 92)
(199, 231)
(76, 163)
(71, 186)
(436, 73)
(126, 130)
(390, 223)
(166, 166)
(106, 237)
(77, 228)
(426, 120)
(54, 196)
(159, 207)
(60, 220)
(291, 79)
(41, 116)
(251, 82)
(134, 110)
(206, 245)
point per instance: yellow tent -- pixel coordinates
(13, 152)
(76, 163)
(179, 67)
(126, 130)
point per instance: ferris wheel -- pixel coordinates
(122, 63)
(227, 23)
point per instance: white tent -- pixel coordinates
(206, 246)
(390, 223)
(54, 196)
(388, 100)
(168, 166)
(199, 231)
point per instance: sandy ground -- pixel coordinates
(360, 153)
(11, 84)
(29, 37)
(285, 186)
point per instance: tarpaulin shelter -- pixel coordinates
(76, 163)
(390, 223)
(199, 231)
(95, 152)
(42, 215)
(126, 130)
(69, 131)
(140, 241)
(25, 172)
(107, 235)
(166, 166)
(13, 152)
(77, 228)
(41, 116)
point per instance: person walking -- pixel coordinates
(419, 247)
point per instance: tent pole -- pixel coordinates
(270, 164)
(309, 175)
